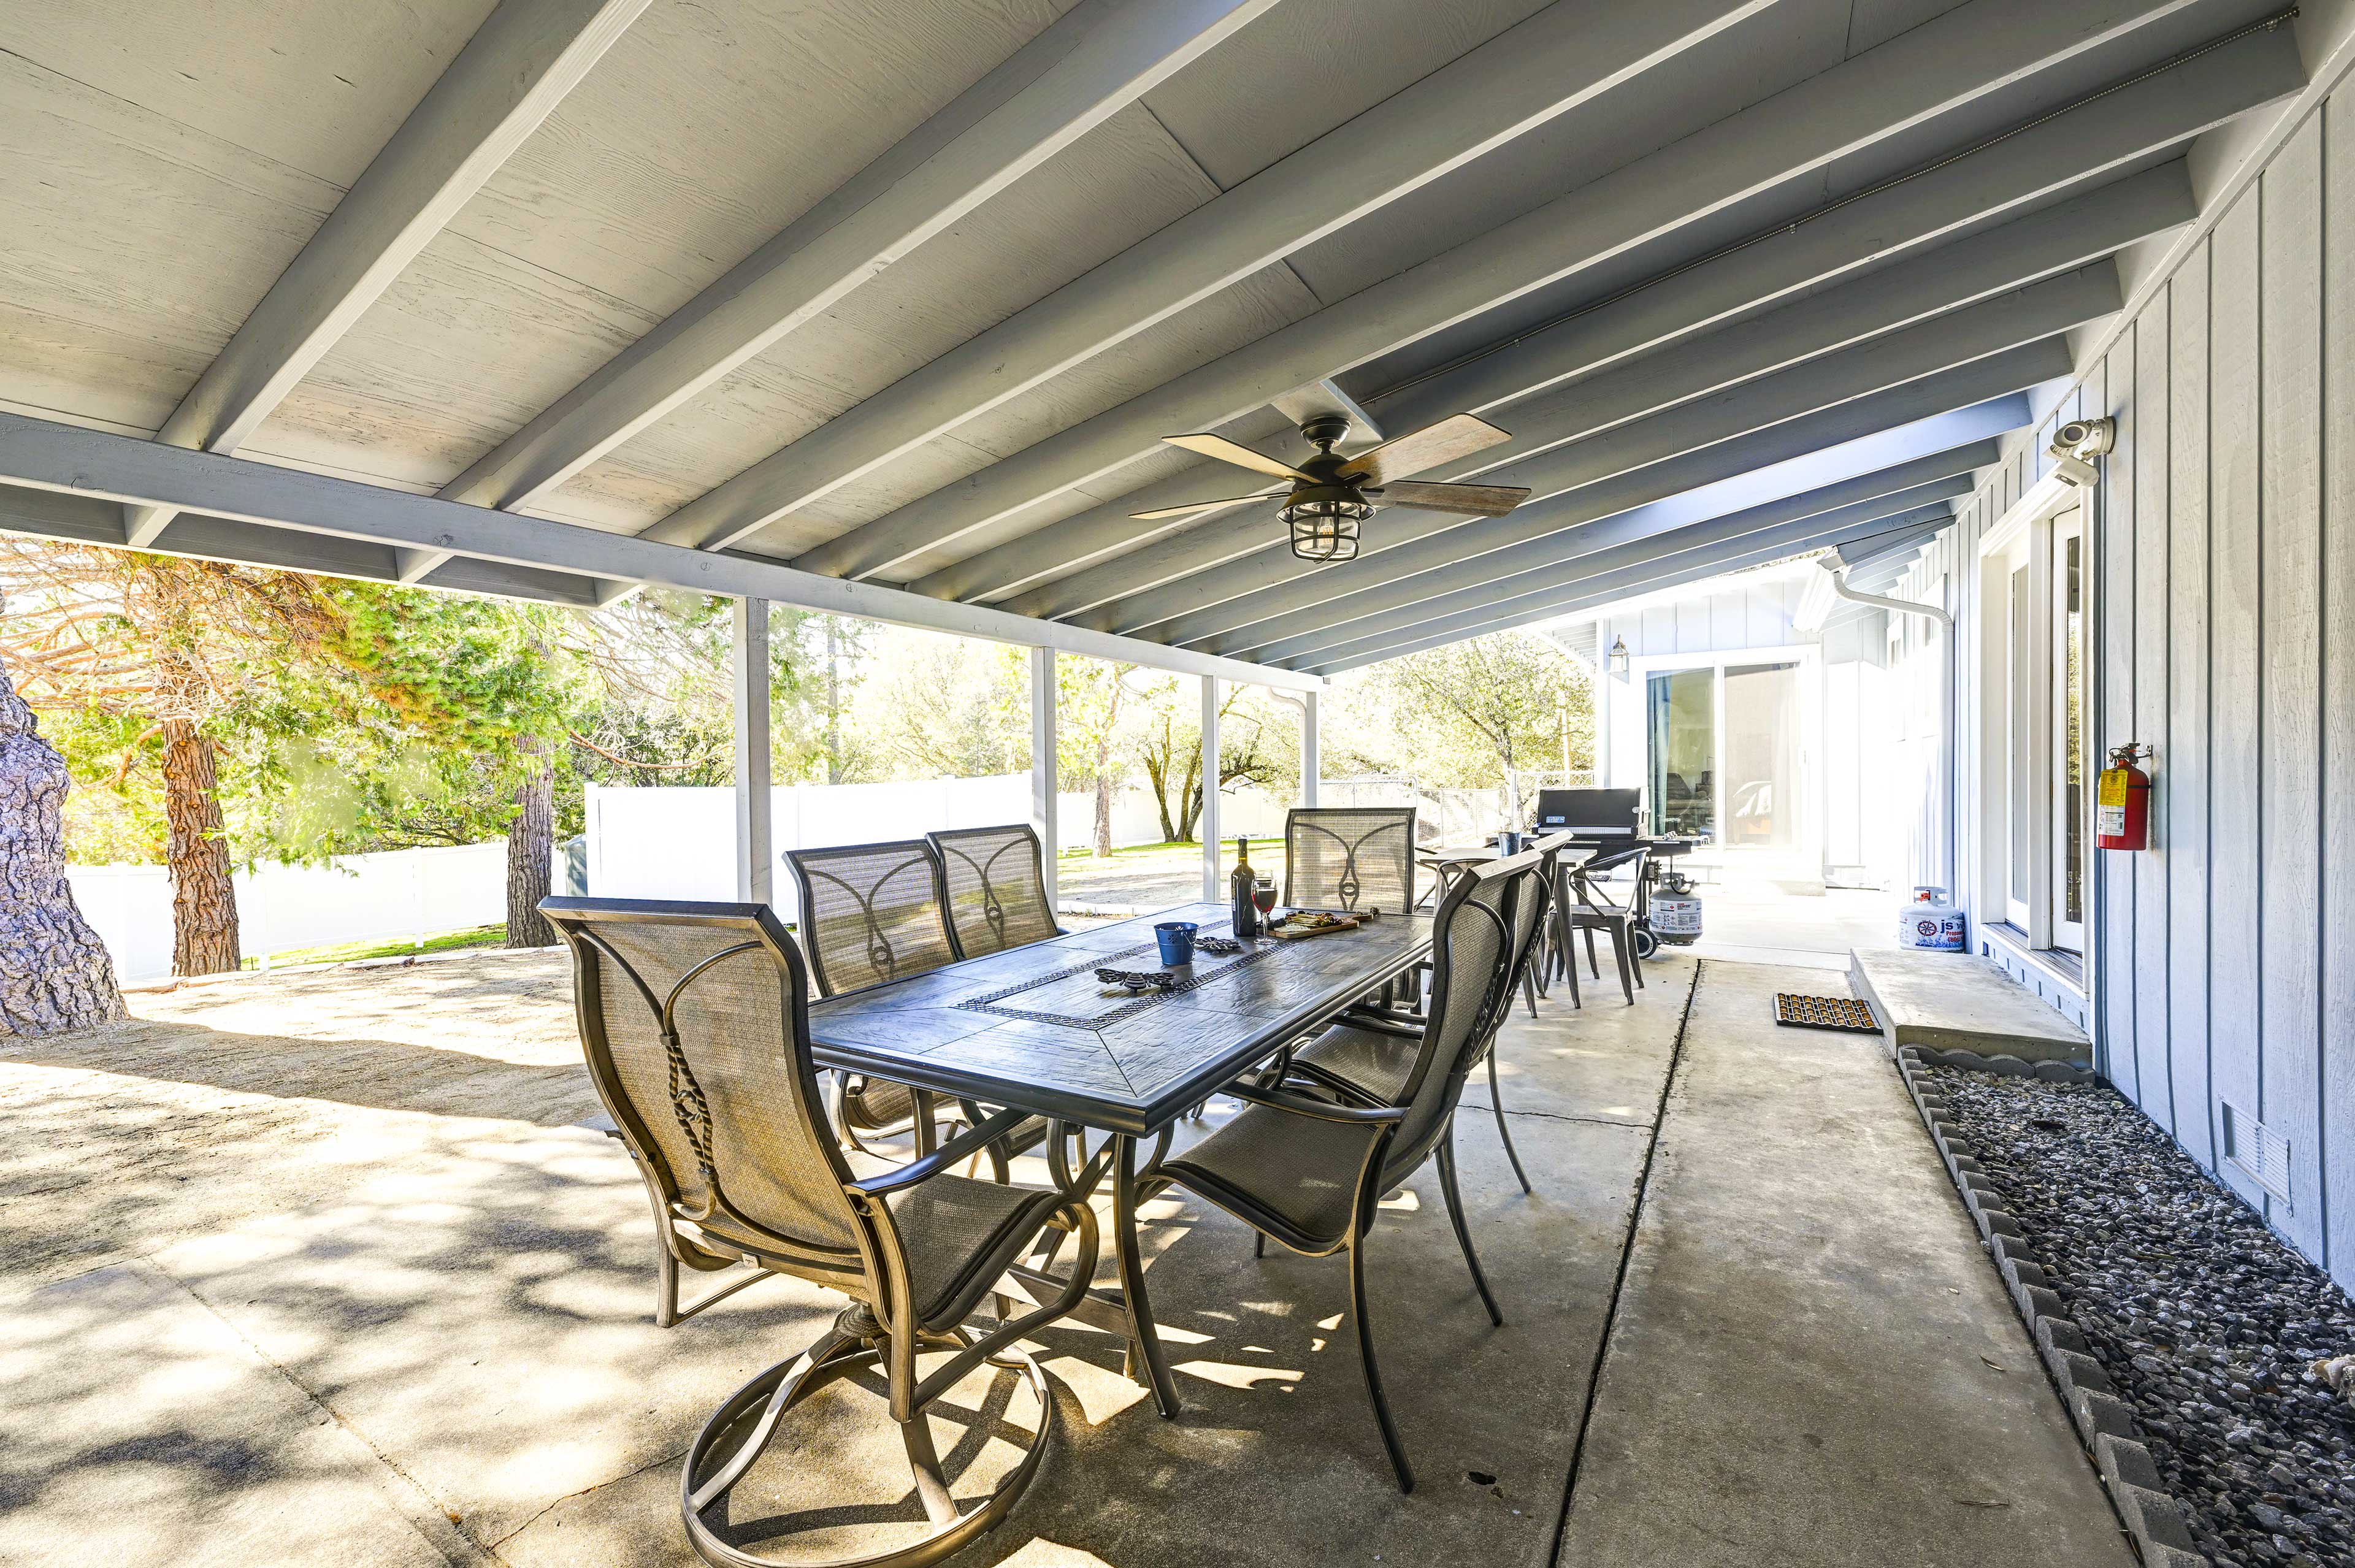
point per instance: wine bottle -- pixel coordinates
(1240, 885)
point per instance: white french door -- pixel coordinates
(2035, 717)
(2068, 774)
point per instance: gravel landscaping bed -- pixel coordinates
(2208, 1324)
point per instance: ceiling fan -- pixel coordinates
(1332, 494)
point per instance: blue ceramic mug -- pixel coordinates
(1177, 940)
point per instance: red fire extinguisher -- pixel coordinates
(2121, 820)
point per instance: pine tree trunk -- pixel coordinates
(55, 974)
(531, 845)
(195, 852)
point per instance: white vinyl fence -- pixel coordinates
(667, 842)
(352, 898)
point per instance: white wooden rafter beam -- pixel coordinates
(2071, 149)
(42, 456)
(1975, 49)
(1567, 54)
(1848, 370)
(1091, 62)
(518, 66)
(1609, 587)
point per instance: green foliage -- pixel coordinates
(1467, 715)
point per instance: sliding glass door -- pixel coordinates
(1682, 705)
(1724, 750)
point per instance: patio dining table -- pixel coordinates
(1032, 1029)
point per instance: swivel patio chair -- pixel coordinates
(871, 913)
(694, 1018)
(1306, 1163)
(1349, 858)
(993, 885)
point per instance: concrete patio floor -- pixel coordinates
(318, 1269)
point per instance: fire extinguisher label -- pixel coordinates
(2110, 821)
(2113, 791)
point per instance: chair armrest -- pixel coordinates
(1316, 1110)
(1405, 1025)
(963, 1147)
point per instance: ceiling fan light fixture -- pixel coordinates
(1325, 528)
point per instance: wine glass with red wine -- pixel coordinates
(1263, 895)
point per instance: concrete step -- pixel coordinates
(1959, 1001)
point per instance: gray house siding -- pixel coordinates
(2222, 960)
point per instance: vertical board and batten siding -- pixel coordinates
(2222, 568)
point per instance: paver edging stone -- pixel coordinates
(2105, 1424)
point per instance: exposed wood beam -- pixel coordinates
(1564, 56)
(511, 75)
(1097, 58)
(1645, 577)
(1958, 337)
(41, 455)
(2077, 146)
(1891, 426)
(1977, 48)
(1823, 402)
(1600, 555)
(1674, 519)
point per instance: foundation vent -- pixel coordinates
(2262, 1154)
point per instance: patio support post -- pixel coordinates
(1311, 749)
(1212, 891)
(1044, 784)
(755, 846)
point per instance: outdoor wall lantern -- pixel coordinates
(1325, 527)
(1618, 655)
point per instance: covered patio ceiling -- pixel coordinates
(881, 306)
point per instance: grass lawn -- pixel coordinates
(394, 947)
(1082, 852)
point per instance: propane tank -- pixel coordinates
(2122, 814)
(1930, 921)
(1675, 910)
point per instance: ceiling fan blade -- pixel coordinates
(1479, 500)
(1236, 453)
(1459, 435)
(1159, 512)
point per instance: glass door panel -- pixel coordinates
(1681, 705)
(2019, 731)
(1762, 755)
(2068, 733)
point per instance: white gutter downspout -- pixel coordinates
(1947, 695)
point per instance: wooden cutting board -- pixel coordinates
(1288, 933)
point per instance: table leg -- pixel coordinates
(1144, 1341)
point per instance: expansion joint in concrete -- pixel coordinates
(1626, 1255)
(425, 1513)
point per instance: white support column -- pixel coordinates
(1312, 750)
(1044, 781)
(1212, 890)
(755, 842)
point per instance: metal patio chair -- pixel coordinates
(872, 913)
(1582, 907)
(993, 885)
(1372, 1047)
(1306, 1161)
(1349, 858)
(694, 1018)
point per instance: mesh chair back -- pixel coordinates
(1472, 957)
(695, 1021)
(1344, 858)
(870, 913)
(995, 887)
